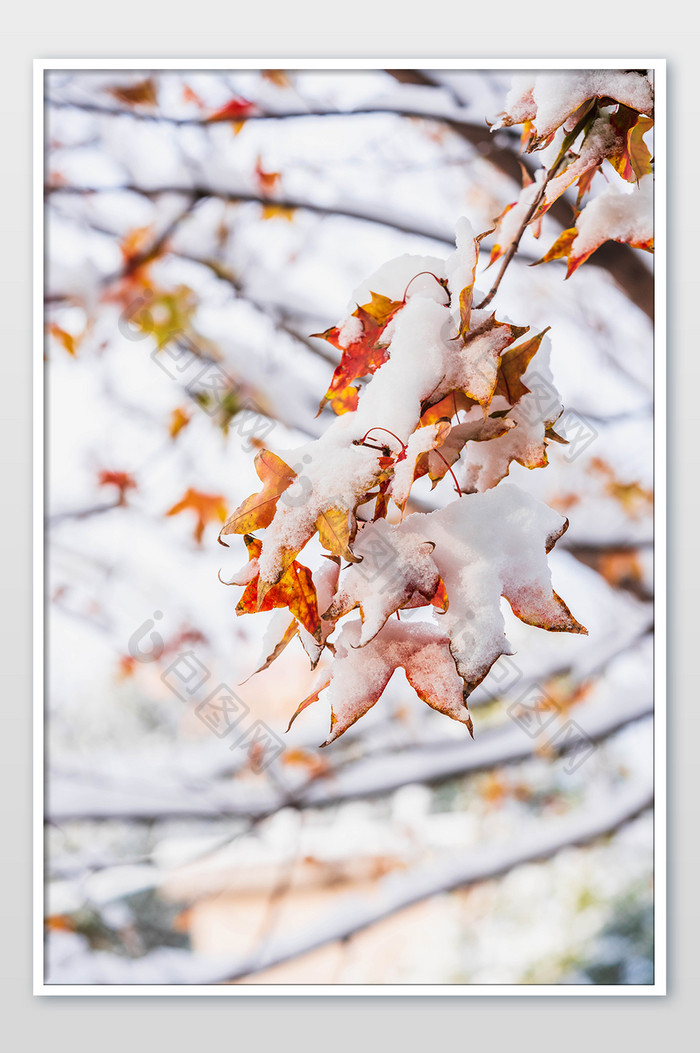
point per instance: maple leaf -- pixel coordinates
(360, 343)
(206, 507)
(179, 419)
(531, 415)
(498, 248)
(267, 181)
(336, 526)
(410, 580)
(576, 92)
(67, 340)
(584, 185)
(235, 108)
(295, 590)
(465, 300)
(489, 545)
(414, 456)
(123, 481)
(290, 631)
(437, 463)
(191, 96)
(513, 364)
(565, 246)
(475, 365)
(632, 496)
(278, 77)
(447, 407)
(258, 510)
(360, 674)
(135, 242)
(308, 701)
(168, 314)
(326, 583)
(336, 530)
(601, 141)
(284, 212)
(144, 93)
(632, 160)
(345, 401)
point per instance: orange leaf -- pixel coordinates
(206, 507)
(67, 340)
(336, 529)
(295, 590)
(313, 697)
(258, 510)
(363, 355)
(179, 419)
(560, 248)
(447, 407)
(267, 181)
(122, 480)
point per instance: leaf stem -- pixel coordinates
(441, 281)
(393, 434)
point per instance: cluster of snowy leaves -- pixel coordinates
(583, 123)
(443, 379)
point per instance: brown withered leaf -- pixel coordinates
(436, 463)
(512, 366)
(481, 357)
(466, 298)
(632, 160)
(144, 93)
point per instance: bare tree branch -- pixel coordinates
(353, 914)
(625, 265)
(366, 777)
(379, 215)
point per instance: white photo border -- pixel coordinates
(658, 988)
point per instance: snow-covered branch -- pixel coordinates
(352, 914)
(148, 800)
